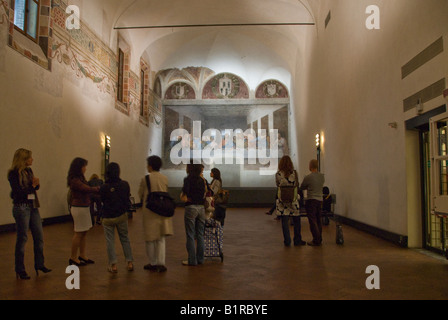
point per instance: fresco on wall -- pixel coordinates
(83, 55)
(225, 127)
(271, 89)
(180, 91)
(225, 86)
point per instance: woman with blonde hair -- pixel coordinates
(26, 213)
(287, 181)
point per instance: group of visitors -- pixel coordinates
(115, 195)
(115, 204)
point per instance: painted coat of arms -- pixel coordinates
(271, 89)
(226, 86)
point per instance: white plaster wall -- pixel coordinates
(232, 52)
(354, 90)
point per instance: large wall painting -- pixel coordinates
(224, 125)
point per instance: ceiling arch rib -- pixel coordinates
(225, 51)
(282, 40)
(153, 13)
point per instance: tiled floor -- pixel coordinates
(256, 267)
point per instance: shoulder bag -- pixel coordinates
(160, 202)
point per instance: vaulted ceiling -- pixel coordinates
(227, 48)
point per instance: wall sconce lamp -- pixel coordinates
(107, 150)
(419, 106)
(318, 144)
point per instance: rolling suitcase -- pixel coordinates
(213, 239)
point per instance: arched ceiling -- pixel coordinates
(275, 46)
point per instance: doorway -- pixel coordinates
(433, 226)
(437, 220)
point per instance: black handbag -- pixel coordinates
(160, 202)
(222, 197)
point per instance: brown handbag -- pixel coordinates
(288, 194)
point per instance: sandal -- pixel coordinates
(112, 268)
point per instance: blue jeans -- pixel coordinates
(194, 228)
(109, 233)
(297, 230)
(28, 218)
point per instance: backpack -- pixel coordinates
(327, 200)
(288, 194)
(159, 202)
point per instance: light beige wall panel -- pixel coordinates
(354, 91)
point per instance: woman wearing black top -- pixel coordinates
(115, 195)
(26, 213)
(194, 193)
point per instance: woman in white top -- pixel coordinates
(156, 228)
